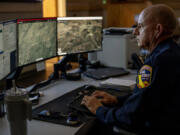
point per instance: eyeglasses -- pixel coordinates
(140, 25)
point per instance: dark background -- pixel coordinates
(20, 0)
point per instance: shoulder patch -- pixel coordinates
(144, 76)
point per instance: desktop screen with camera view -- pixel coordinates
(7, 48)
(36, 40)
(79, 34)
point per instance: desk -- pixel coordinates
(52, 91)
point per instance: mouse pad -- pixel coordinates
(70, 103)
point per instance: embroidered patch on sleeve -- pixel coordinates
(144, 76)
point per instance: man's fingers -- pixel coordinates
(82, 102)
(91, 102)
(102, 100)
(97, 93)
(85, 99)
(94, 93)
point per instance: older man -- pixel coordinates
(155, 103)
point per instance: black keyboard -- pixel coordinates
(104, 73)
(71, 102)
(76, 102)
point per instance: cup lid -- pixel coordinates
(15, 95)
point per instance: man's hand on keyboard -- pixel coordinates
(92, 103)
(105, 98)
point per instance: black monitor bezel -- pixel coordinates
(34, 20)
(11, 71)
(1, 23)
(0, 65)
(91, 51)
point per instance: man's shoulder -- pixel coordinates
(166, 52)
(169, 57)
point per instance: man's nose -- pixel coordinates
(135, 31)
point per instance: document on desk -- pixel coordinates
(118, 83)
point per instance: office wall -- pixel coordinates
(14, 10)
(122, 14)
(175, 4)
(87, 8)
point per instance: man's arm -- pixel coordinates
(124, 114)
(122, 99)
(108, 99)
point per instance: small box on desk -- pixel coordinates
(118, 84)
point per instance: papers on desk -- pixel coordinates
(118, 84)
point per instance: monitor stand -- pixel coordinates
(14, 76)
(82, 63)
(62, 66)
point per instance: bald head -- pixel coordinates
(161, 14)
(155, 24)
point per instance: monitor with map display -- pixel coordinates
(36, 40)
(8, 44)
(79, 34)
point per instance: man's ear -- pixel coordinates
(159, 30)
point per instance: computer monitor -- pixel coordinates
(1, 51)
(8, 44)
(36, 40)
(1, 38)
(79, 34)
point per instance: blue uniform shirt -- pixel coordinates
(155, 101)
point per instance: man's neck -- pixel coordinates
(162, 38)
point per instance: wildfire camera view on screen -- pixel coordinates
(7, 48)
(36, 40)
(79, 34)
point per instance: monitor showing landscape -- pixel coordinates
(36, 40)
(8, 42)
(79, 34)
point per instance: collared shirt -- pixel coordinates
(155, 101)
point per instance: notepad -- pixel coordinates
(117, 83)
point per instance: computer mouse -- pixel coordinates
(72, 119)
(44, 113)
